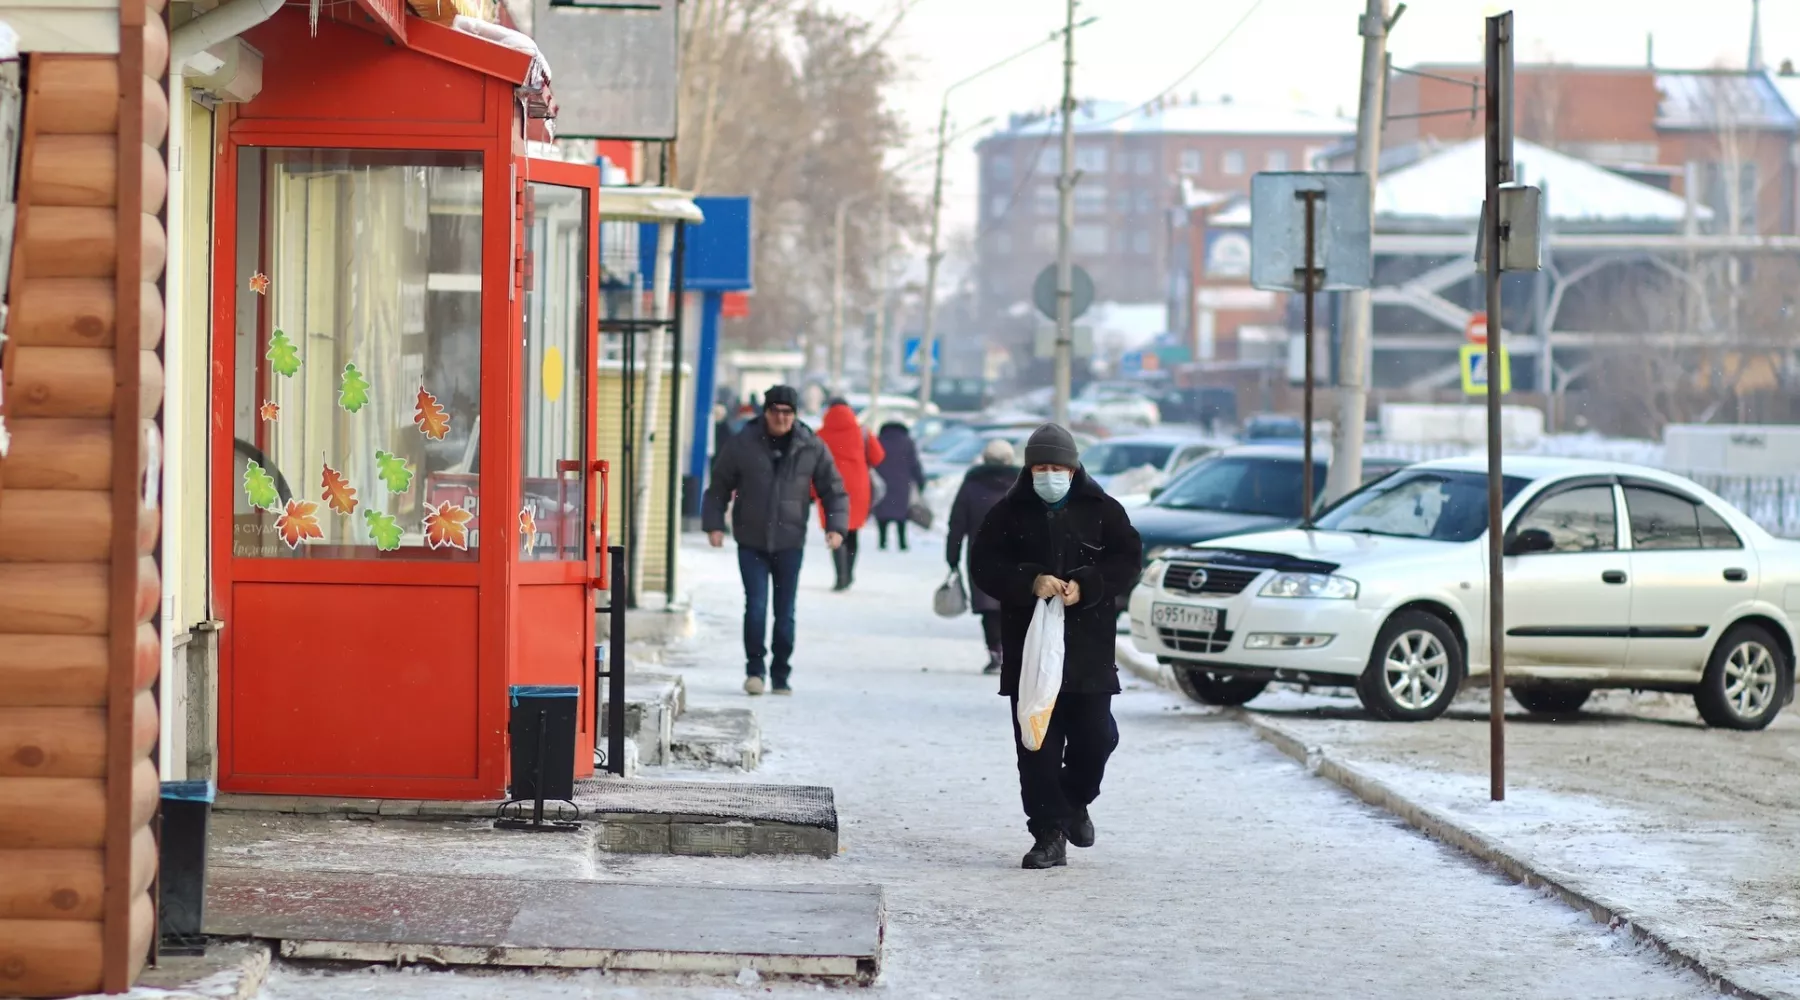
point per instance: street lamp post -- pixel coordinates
(934, 255)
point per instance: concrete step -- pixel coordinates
(710, 819)
(827, 932)
(653, 701)
(716, 737)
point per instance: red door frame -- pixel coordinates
(585, 177)
(496, 138)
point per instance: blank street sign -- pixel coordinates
(1341, 231)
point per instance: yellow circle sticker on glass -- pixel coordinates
(553, 374)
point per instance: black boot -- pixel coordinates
(1081, 829)
(840, 560)
(993, 663)
(1050, 851)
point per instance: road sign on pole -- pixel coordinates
(910, 360)
(1475, 370)
(1475, 330)
(1043, 292)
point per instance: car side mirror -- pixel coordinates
(1530, 540)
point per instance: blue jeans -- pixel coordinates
(757, 568)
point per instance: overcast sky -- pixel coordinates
(1303, 53)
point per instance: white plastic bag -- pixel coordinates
(1040, 672)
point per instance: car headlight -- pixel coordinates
(1153, 573)
(1318, 585)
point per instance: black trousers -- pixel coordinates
(990, 631)
(844, 560)
(881, 526)
(1064, 774)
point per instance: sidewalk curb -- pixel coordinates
(1434, 824)
(215, 976)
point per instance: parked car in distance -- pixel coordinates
(1146, 460)
(952, 462)
(1272, 427)
(1617, 576)
(1114, 404)
(1234, 491)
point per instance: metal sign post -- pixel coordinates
(1309, 280)
(1310, 233)
(1499, 171)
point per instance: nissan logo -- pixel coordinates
(1197, 582)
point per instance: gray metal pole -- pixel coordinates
(933, 256)
(1499, 159)
(878, 351)
(837, 302)
(1065, 226)
(1310, 282)
(1353, 353)
(1540, 306)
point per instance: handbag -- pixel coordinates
(917, 512)
(950, 600)
(877, 488)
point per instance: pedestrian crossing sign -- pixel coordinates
(1474, 370)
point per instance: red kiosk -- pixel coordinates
(405, 500)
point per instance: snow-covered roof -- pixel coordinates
(1204, 118)
(1447, 186)
(1788, 87)
(1713, 100)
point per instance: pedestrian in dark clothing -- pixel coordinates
(773, 468)
(1057, 535)
(901, 471)
(982, 487)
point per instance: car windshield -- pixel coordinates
(1268, 486)
(1266, 428)
(1109, 458)
(1428, 503)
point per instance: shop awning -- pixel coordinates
(649, 204)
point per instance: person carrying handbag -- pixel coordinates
(1056, 535)
(982, 487)
(904, 475)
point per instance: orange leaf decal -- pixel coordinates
(433, 422)
(259, 283)
(298, 522)
(447, 526)
(269, 410)
(528, 529)
(340, 496)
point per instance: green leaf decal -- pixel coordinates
(393, 471)
(353, 389)
(282, 355)
(259, 487)
(384, 529)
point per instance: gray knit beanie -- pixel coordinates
(1051, 445)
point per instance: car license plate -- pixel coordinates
(1183, 617)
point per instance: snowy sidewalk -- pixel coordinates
(1633, 810)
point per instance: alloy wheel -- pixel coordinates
(1416, 669)
(1751, 679)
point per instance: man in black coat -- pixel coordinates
(772, 468)
(1056, 535)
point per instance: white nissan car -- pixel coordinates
(1617, 576)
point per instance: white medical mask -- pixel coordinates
(1051, 486)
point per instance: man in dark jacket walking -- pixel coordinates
(982, 487)
(1056, 535)
(773, 467)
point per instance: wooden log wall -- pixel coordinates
(79, 577)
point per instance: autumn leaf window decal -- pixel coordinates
(299, 521)
(432, 419)
(393, 471)
(384, 529)
(283, 357)
(269, 411)
(259, 487)
(447, 526)
(340, 496)
(353, 388)
(528, 529)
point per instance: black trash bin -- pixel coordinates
(181, 882)
(543, 750)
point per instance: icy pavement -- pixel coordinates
(1222, 869)
(1692, 831)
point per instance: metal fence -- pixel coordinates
(1770, 500)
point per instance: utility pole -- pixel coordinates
(1353, 353)
(883, 309)
(836, 361)
(1498, 98)
(1065, 226)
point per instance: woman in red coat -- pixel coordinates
(855, 451)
